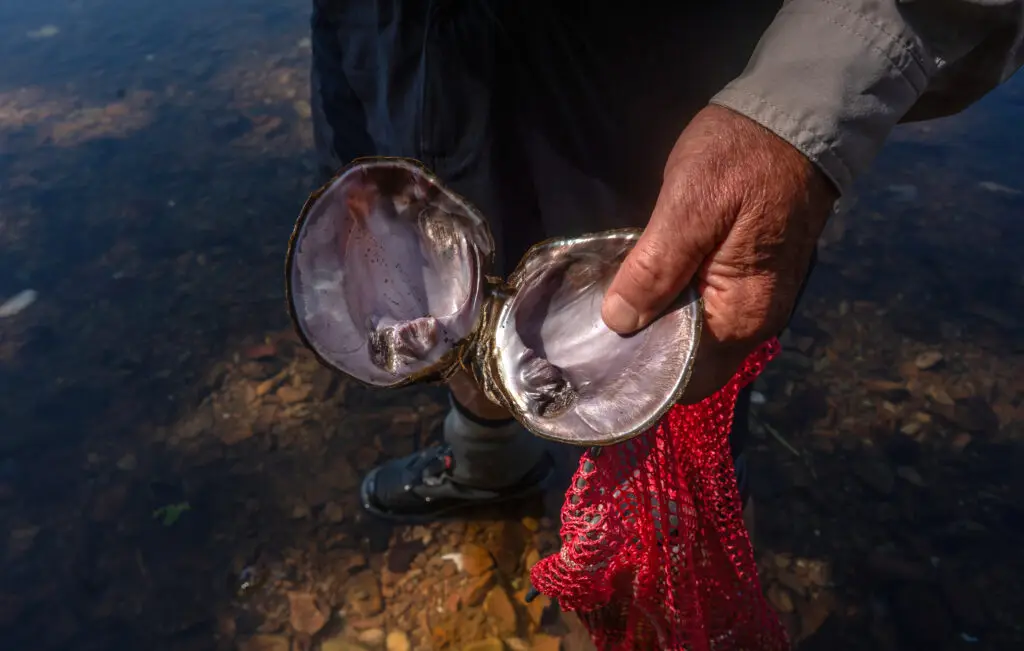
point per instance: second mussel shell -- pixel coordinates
(563, 373)
(385, 273)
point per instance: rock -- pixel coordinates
(476, 589)
(235, 432)
(333, 513)
(939, 395)
(813, 614)
(542, 642)
(818, 573)
(265, 643)
(501, 611)
(260, 351)
(960, 441)
(372, 636)
(889, 390)
(291, 394)
(911, 475)
(302, 109)
(535, 609)
(362, 595)
(790, 580)
(490, 644)
(305, 615)
(476, 560)
(532, 558)
(300, 511)
(365, 623)
(506, 541)
(531, 524)
(928, 359)
(266, 386)
(340, 644)
(397, 641)
(911, 428)
(517, 644)
(780, 598)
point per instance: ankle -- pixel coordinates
(490, 418)
(471, 400)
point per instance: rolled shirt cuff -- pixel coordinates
(833, 82)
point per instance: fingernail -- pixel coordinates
(619, 315)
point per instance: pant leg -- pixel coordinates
(339, 119)
(417, 79)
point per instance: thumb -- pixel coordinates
(654, 273)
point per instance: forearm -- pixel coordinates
(833, 77)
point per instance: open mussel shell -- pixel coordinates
(563, 373)
(385, 273)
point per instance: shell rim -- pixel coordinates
(692, 304)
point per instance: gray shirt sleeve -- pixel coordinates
(833, 77)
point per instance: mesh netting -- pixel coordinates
(654, 553)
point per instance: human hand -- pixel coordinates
(740, 212)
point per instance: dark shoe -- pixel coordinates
(419, 487)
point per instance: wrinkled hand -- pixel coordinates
(740, 212)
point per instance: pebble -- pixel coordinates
(780, 598)
(18, 303)
(305, 615)
(928, 359)
(502, 612)
(371, 636)
(490, 644)
(265, 643)
(961, 441)
(334, 513)
(397, 641)
(543, 642)
(911, 475)
(340, 644)
(476, 560)
(289, 394)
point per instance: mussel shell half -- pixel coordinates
(385, 272)
(567, 376)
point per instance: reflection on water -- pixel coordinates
(175, 472)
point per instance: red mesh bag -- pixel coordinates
(654, 553)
